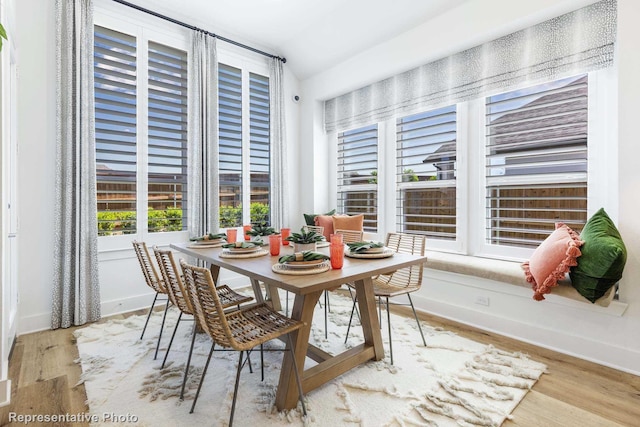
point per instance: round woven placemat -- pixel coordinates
(204, 245)
(283, 269)
(258, 253)
(384, 254)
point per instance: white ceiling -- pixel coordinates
(313, 35)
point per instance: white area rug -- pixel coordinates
(451, 382)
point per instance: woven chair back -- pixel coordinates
(207, 305)
(170, 274)
(151, 276)
(409, 277)
(350, 236)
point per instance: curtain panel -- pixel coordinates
(202, 149)
(76, 292)
(278, 187)
(577, 42)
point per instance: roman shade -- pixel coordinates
(577, 42)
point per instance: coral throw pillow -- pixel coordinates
(325, 221)
(310, 219)
(552, 260)
(344, 222)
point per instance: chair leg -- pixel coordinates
(186, 368)
(326, 306)
(357, 311)
(204, 372)
(380, 312)
(417, 321)
(149, 315)
(235, 390)
(173, 335)
(261, 363)
(350, 319)
(389, 326)
(166, 309)
(295, 368)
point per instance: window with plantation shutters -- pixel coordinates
(116, 130)
(259, 146)
(536, 161)
(244, 146)
(358, 174)
(141, 134)
(230, 142)
(167, 138)
(426, 173)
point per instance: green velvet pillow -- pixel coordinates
(603, 257)
(309, 218)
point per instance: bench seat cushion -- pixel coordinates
(502, 271)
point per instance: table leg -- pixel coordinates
(368, 316)
(273, 296)
(257, 290)
(287, 393)
(215, 273)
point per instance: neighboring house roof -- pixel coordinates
(513, 128)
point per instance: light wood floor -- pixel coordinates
(572, 393)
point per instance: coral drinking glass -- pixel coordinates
(232, 235)
(336, 252)
(274, 244)
(285, 232)
(247, 228)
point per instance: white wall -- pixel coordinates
(604, 336)
(121, 281)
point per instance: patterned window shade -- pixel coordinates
(577, 42)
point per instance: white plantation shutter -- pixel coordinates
(259, 118)
(426, 173)
(230, 141)
(167, 133)
(116, 129)
(358, 174)
(536, 161)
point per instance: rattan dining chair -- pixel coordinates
(240, 330)
(180, 297)
(348, 236)
(400, 282)
(155, 282)
(315, 228)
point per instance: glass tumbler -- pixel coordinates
(336, 252)
(274, 244)
(285, 232)
(247, 228)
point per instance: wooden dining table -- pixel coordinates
(307, 289)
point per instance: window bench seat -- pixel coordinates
(505, 272)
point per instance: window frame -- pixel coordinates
(143, 28)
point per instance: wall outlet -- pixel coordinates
(482, 300)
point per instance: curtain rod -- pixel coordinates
(191, 27)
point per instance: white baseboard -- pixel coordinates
(592, 350)
(5, 392)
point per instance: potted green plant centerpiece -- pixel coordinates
(305, 240)
(259, 231)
